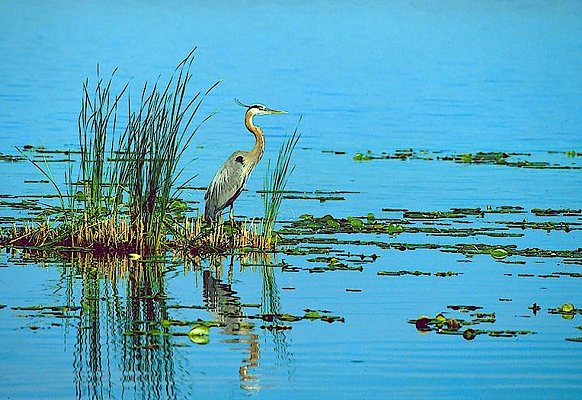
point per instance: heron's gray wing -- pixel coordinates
(226, 185)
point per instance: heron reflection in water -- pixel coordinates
(226, 308)
(232, 176)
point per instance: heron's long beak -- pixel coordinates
(271, 111)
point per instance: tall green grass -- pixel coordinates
(276, 182)
(96, 124)
(136, 174)
(151, 147)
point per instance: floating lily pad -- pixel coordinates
(469, 334)
(288, 318)
(356, 222)
(567, 310)
(199, 339)
(440, 319)
(499, 253)
(423, 323)
(312, 314)
(567, 307)
(453, 325)
(198, 330)
(361, 157)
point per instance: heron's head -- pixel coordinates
(259, 109)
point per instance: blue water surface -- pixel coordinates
(445, 78)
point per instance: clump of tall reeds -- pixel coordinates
(127, 180)
(274, 186)
(139, 181)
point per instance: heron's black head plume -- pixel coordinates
(260, 109)
(237, 101)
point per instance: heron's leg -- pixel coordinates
(231, 216)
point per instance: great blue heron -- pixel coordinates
(230, 179)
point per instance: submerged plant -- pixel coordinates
(275, 183)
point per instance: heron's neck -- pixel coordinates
(259, 148)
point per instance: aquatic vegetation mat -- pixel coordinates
(565, 160)
(466, 323)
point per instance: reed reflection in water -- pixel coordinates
(119, 330)
(122, 340)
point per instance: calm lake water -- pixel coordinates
(442, 79)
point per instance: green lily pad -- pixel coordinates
(199, 339)
(199, 330)
(288, 318)
(394, 229)
(469, 334)
(361, 157)
(440, 319)
(499, 253)
(312, 314)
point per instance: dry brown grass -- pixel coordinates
(118, 236)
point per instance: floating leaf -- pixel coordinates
(453, 324)
(361, 157)
(440, 319)
(199, 339)
(567, 307)
(469, 334)
(355, 222)
(312, 314)
(394, 229)
(199, 330)
(288, 318)
(499, 253)
(422, 323)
